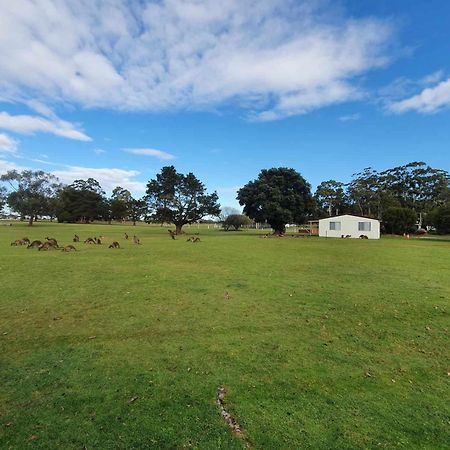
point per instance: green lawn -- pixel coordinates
(323, 344)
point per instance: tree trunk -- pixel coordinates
(278, 229)
(30, 221)
(178, 228)
(134, 223)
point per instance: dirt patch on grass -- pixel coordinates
(229, 419)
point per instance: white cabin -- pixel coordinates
(349, 226)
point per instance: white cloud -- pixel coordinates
(108, 178)
(429, 100)
(7, 144)
(350, 117)
(8, 165)
(31, 124)
(99, 151)
(150, 152)
(274, 57)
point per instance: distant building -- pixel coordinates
(349, 226)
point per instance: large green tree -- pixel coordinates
(278, 196)
(30, 193)
(416, 186)
(82, 201)
(179, 199)
(330, 197)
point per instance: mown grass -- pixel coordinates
(322, 344)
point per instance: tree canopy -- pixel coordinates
(236, 221)
(82, 201)
(31, 192)
(179, 199)
(278, 196)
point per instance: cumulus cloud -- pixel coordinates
(108, 178)
(7, 144)
(150, 152)
(32, 124)
(429, 100)
(273, 57)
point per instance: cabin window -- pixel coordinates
(364, 226)
(335, 226)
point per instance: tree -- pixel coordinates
(278, 196)
(179, 199)
(440, 219)
(330, 196)
(82, 201)
(31, 192)
(120, 203)
(3, 195)
(398, 220)
(227, 211)
(416, 186)
(137, 209)
(364, 193)
(236, 221)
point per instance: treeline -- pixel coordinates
(403, 198)
(399, 197)
(171, 197)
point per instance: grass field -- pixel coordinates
(320, 343)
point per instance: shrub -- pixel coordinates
(236, 221)
(399, 220)
(440, 219)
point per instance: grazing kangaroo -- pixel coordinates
(190, 239)
(35, 244)
(26, 240)
(89, 241)
(53, 241)
(76, 238)
(18, 242)
(98, 241)
(69, 248)
(197, 239)
(363, 236)
(136, 240)
(126, 236)
(47, 246)
(172, 234)
(115, 244)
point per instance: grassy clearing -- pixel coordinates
(322, 343)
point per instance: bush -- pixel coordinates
(399, 220)
(440, 219)
(236, 221)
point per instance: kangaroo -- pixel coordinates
(69, 248)
(136, 240)
(99, 241)
(47, 246)
(172, 234)
(89, 241)
(115, 244)
(26, 240)
(53, 241)
(76, 238)
(126, 236)
(197, 239)
(35, 244)
(190, 239)
(18, 242)
(363, 236)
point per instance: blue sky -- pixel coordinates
(116, 90)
